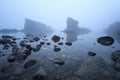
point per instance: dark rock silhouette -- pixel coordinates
(105, 40)
(36, 28)
(55, 38)
(9, 31)
(114, 31)
(73, 30)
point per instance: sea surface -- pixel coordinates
(73, 55)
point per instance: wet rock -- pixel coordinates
(5, 41)
(45, 36)
(96, 68)
(56, 49)
(56, 38)
(115, 55)
(18, 71)
(55, 46)
(7, 36)
(28, 47)
(6, 47)
(68, 43)
(14, 39)
(116, 58)
(113, 47)
(21, 53)
(6, 67)
(36, 39)
(3, 55)
(15, 50)
(91, 53)
(11, 58)
(117, 65)
(25, 38)
(59, 61)
(31, 41)
(106, 40)
(61, 43)
(22, 43)
(37, 48)
(13, 43)
(62, 38)
(48, 43)
(30, 64)
(42, 43)
(40, 74)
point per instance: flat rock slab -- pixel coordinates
(96, 69)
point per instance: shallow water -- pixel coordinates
(73, 56)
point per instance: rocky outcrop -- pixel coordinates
(96, 68)
(72, 26)
(36, 28)
(73, 30)
(114, 31)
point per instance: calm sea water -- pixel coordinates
(73, 55)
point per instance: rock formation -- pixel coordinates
(73, 30)
(114, 31)
(36, 28)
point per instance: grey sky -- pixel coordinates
(93, 14)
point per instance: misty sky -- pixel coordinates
(93, 14)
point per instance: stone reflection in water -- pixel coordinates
(71, 37)
(73, 30)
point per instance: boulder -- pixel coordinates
(91, 53)
(30, 64)
(105, 40)
(55, 38)
(59, 61)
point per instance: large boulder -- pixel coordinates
(105, 40)
(96, 68)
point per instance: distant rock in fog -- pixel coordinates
(114, 31)
(36, 28)
(72, 26)
(73, 30)
(9, 31)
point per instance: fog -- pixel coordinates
(92, 14)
